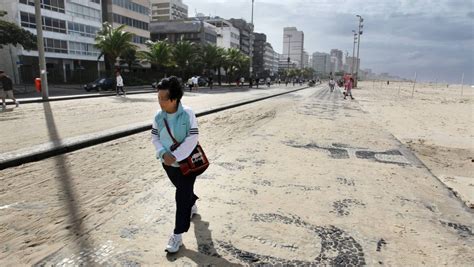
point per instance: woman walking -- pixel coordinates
(349, 84)
(119, 84)
(176, 121)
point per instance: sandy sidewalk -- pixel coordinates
(32, 124)
(437, 124)
(303, 178)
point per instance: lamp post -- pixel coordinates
(41, 57)
(289, 43)
(353, 51)
(358, 46)
(251, 45)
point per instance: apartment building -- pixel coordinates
(293, 45)
(69, 28)
(163, 10)
(135, 14)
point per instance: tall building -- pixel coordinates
(352, 62)
(69, 29)
(245, 34)
(193, 30)
(134, 14)
(339, 64)
(321, 63)
(305, 59)
(258, 62)
(228, 36)
(163, 10)
(293, 45)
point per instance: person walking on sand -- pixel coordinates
(349, 84)
(119, 84)
(182, 123)
(7, 90)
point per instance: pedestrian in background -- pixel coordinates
(182, 124)
(349, 84)
(119, 84)
(211, 81)
(7, 90)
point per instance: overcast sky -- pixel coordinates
(435, 38)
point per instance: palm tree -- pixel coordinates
(234, 58)
(129, 56)
(112, 42)
(184, 54)
(159, 55)
(221, 62)
(209, 56)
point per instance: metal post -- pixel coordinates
(251, 46)
(42, 60)
(414, 83)
(289, 43)
(462, 83)
(353, 52)
(358, 47)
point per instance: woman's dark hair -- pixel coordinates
(173, 86)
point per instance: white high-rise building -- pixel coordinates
(305, 59)
(162, 10)
(228, 36)
(69, 29)
(293, 45)
(321, 63)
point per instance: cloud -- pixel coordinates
(399, 36)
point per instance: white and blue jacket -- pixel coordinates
(183, 126)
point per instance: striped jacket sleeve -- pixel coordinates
(191, 140)
(155, 139)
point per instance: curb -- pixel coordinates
(16, 159)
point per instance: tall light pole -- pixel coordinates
(358, 46)
(289, 43)
(251, 45)
(40, 41)
(353, 51)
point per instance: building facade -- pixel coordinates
(134, 14)
(321, 63)
(245, 34)
(163, 10)
(193, 30)
(228, 36)
(293, 45)
(339, 63)
(69, 29)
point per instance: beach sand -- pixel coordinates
(436, 123)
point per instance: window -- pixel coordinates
(84, 49)
(55, 46)
(139, 39)
(54, 5)
(82, 30)
(161, 5)
(95, 1)
(83, 11)
(130, 22)
(132, 6)
(49, 24)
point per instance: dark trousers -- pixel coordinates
(184, 196)
(118, 89)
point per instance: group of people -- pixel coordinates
(348, 83)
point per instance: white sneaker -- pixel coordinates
(174, 243)
(17, 103)
(194, 210)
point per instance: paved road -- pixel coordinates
(305, 178)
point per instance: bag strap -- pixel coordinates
(169, 132)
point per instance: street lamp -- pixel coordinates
(289, 43)
(358, 46)
(251, 45)
(353, 51)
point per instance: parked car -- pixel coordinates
(202, 81)
(100, 84)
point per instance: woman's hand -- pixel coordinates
(169, 158)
